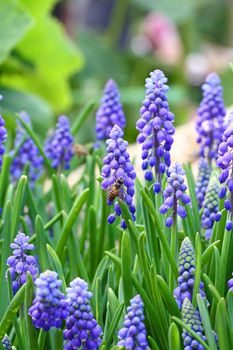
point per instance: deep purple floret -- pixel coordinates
(59, 145)
(82, 330)
(133, 334)
(203, 178)
(186, 279)
(117, 165)
(20, 262)
(6, 343)
(225, 162)
(210, 207)
(175, 197)
(110, 112)
(27, 154)
(156, 128)
(191, 318)
(210, 118)
(49, 307)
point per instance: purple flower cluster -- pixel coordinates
(117, 166)
(6, 343)
(49, 305)
(174, 195)
(225, 162)
(82, 330)
(133, 334)
(20, 262)
(210, 212)
(59, 145)
(230, 285)
(156, 128)
(3, 136)
(203, 178)
(26, 154)
(186, 279)
(210, 117)
(110, 111)
(192, 319)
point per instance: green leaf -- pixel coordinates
(168, 297)
(5, 253)
(126, 257)
(82, 117)
(206, 255)
(197, 270)
(4, 178)
(11, 311)
(14, 23)
(173, 337)
(161, 234)
(206, 322)
(57, 266)
(78, 204)
(18, 204)
(39, 8)
(114, 323)
(222, 326)
(41, 241)
(31, 332)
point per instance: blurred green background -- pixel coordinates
(55, 56)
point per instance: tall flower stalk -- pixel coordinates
(225, 162)
(110, 112)
(118, 171)
(156, 129)
(175, 199)
(210, 119)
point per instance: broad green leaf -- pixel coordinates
(31, 332)
(173, 337)
(206, 322)
(126, 257)
(11, 311)
(114, 323)
(15, 21)
(40, 8)
(224, 336)
(78, 204)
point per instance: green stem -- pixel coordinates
(173, 250)
(41, 340)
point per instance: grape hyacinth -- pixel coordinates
(26, 154)
(156, 128)
(133, 334)
(20, 262)
(82, 330)
(210, 118)
(6, 343)
(110, 111)
(117, 165)
(59, 145)
(186, 279)
(174, 195)
(192, 319)
(230, 285)
(210, 207)
(203, 178)
(225, 162)
(49, 305)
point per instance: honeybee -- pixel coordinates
(115, 189)
(79, 150)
